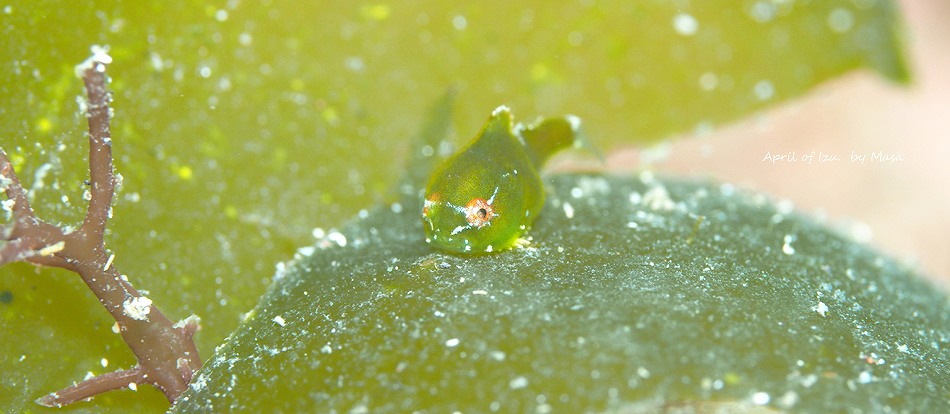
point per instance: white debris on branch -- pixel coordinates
(137, 308)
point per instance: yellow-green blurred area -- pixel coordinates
(242, 128)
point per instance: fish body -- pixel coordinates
(483, 198)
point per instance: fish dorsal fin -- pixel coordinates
(498, 125)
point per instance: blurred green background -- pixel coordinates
(244, 128)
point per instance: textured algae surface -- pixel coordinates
(634, 290)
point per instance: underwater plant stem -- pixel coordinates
(166, 353)
(100, 152)
(28, 238)
(11, 186)
(98, 384)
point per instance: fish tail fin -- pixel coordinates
(549, 135)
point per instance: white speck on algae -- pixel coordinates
(518, 383)
(787, 245)
(840, 20)
(318, 233)
(459, 22)
(685, 24)
(337, 238)
(658, 198)
(764, 90)
(568, 210)
(762, 11)
(708, 81)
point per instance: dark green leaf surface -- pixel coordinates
(634, 290)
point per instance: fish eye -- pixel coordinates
(479, 213)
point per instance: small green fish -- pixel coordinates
(484, 198)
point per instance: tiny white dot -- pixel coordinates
(763, 11)
(708, 81)
(518, 383)
(787, 246)
(245, 39)
(568, 210)
(764, 90)
(840, 20)
(685, 24)
(575, 38)
(459, 22)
